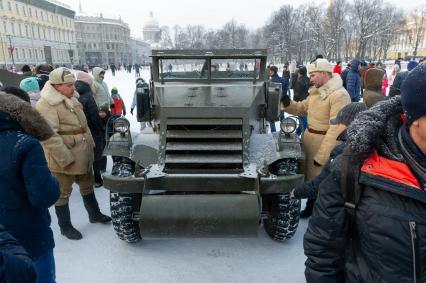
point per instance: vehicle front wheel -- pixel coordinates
(282, 217)
(122, 207)
(124, 204)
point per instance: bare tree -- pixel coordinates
(371, 20)
(232, 35)
(416, 28)
(166, 39)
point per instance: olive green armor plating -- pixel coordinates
(209, 167)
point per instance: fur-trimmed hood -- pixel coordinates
(54, 98)
(377, 129)
(331, 86)
(23, 115)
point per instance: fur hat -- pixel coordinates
(29, 84)
(84, 77)
(413, 94)
(320, 65)
(61, 76)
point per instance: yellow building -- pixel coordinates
(404, 43)
(38, 31)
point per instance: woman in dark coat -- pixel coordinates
(27, 188)
(90, 108)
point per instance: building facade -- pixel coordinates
(102, 41)
(140, 51)
(151, 30)
(36, 31)
(414, 30)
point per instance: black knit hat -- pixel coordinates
(348, 113)
(413, 94)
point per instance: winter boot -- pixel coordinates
(92, 207)
(64, 221)
(307, 212)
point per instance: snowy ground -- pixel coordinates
(101, 257)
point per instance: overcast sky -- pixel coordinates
(210, 13)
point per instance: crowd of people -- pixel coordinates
(365, 169)
(52, 135)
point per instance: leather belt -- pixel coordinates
(71, 133)
(317, 132)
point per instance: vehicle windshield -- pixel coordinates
(176, 69)
(183, 69)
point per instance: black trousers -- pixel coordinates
(98, 166)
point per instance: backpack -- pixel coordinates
(351, 189)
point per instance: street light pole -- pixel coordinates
(11, 49)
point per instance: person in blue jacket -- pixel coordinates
(275, 78)
(27, 188)
(353, 81)
(16, 264)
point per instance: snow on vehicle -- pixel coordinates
(209, 168)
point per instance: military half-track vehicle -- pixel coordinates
(209, 168)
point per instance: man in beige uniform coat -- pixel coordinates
(69, 152)
(325, 100)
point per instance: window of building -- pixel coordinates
(4, 27)
(30, 12)
(27, 33)
(32, 32)
(16, 51)
(9, 6)
(17, 8)
(24, 11)
(20, 29)
(30, 54)
(13, 28)
(35, 54)
(1, 4)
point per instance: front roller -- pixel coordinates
(209, 215)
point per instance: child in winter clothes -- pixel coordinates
(118, 107)
(30, 85)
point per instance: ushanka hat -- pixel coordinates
(61, 76)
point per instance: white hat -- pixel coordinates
(320, 65)
(61, 76)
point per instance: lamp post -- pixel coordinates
(11, 49)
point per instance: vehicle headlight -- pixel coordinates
(288, 125)
(121, 125)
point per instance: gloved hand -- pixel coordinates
(285, 100)
(131, 111)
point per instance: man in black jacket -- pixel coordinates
(301, 92)
(380, 235)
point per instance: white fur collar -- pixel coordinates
(331, 86)
(53, 97)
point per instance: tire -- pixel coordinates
(124, 204)
(282, 210)
(283, 216)
(122, 207)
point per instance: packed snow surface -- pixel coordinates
(101, 257)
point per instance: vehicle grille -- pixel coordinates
(204, 145)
